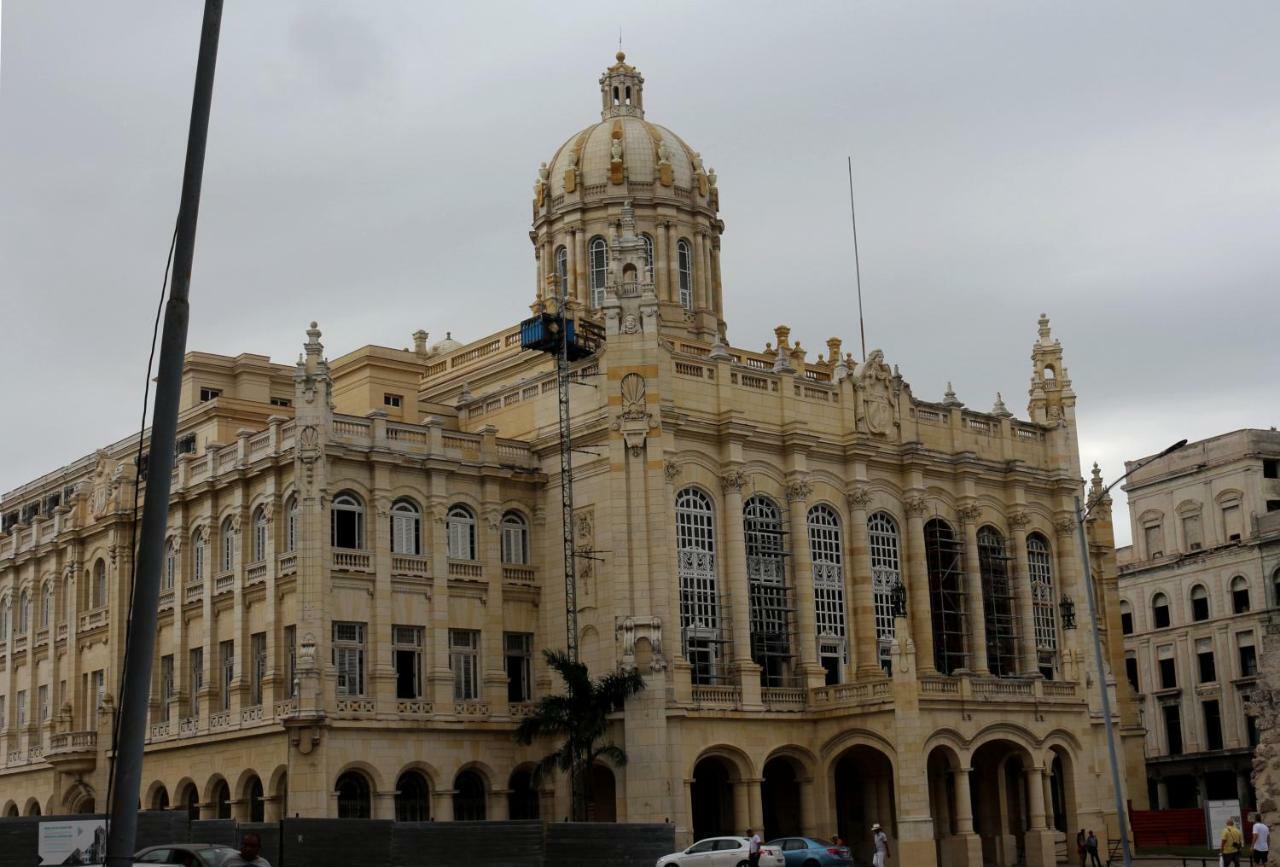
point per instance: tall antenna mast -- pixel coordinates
(857, 265)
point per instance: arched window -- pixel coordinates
(699, 599)
(997, 603)
(562, 271)
(46, 608)
(1239, 594)
(1199, 603)
(413, 798)
(461, 528)
(886, 573)
(227, 537)
(826, 551)
(170, 566)
(24, 612)
(468, 797)
(648, 257)
(406, 528)
(599, 254)
(347, 522)
(766, 580)
(4, 625)
(353, 796)
(197, 556)
(515, 539)
(291, 524)
(946, 595)
(1159, 611)
(160, 799)
(1044, 604)
(259, 534)
(1126, 617)
(99, 588)
(684, 259)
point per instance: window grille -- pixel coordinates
(291, 662)
(886, 573)
(648, 257)
(461, 529)
(766, 578)
(348, 657)
(515, 539)
(197, 679)
(258, 649)
(944, 559)
(406, 528)
(464, 660)
(170, 565)
(699, 600)
(291, 531)
(166, 685)
(1043, 604)
(827, 554)
(684, 258)
(562, 271)
(599, 270)
(997, 603)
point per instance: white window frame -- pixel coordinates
(515, 539)
(460, 527)
(684, 266)
(884, 545)
(227, 661)
(170, 566)
(1044, 602)
(351, 504)
(197, 556)
(598, 256)
(406, 528)
(699, 592)
(259, 534)
(464, 662)
(227, 538)
(46, 608)
(349, 638)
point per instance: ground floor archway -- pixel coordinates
(711, 796)
(522, 802)
(780, 798)
(1001, 802)
(862, 782)
(602, 795)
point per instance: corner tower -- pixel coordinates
(626, 208)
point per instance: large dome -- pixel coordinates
(592, 151)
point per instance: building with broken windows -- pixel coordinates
(1197, 589)
(850, 604)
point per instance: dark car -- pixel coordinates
(185, 854)
(811, 852)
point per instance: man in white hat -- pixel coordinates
(881, 839)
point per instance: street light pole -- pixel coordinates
(1082, 515)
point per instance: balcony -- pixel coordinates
(73, 752)
(194, 592)
(224, 583)
(350, 560)
(256, 573)
(524, 576)
(410, 565)
(465, 569)
(783, 698)
(717, 695)
(413, 707)
(288, 563)
(842, 694)
(93, 619)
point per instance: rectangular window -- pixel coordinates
(210, 394)
(1247, 653)
(1131, 670)
(1192, 532)
(519, 651)
(196, 680)
(348, 657)
(98, 683)
(1153, 535)
(1250, 729)
(1168, 670)
(258, 653)
(291, 660)
(166, 685)
(1204, 654)
(1160, 616)
(1240, 599)
(407, 656)
(1273, 505)
(1271, 468)
(464, 661)
(1231, 522)
(42, 703)
(227, 653)
(1212, 726)
(393, 400)
(1126, 622)
(281, 401)
(22, 708)
(1173, 728)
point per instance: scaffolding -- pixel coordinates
(944, 557)
(772, 618)
(999, 608)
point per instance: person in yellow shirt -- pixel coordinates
(1232, 843)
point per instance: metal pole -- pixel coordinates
(1121, 816)
(576, 808)
(132, 725)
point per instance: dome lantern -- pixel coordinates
(621, 90)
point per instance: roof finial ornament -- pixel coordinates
(949, 398)
(999, 409)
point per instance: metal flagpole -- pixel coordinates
(132, 725)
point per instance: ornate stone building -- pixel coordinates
(1197, 589)
(850, 605)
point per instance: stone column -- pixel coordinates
(571, 265)
(673, 261)
(661, 283)
(741, 805)
(921, 619)
(1022, 594)
(977, 657)
(1072, 581)
(717, 295)
(442, 802)
(581, 289)
(699, 273)
(704, 264)
(756, 815)
(1038, 839)
(736, 583)
(808, 821)
(861, 587)
(798, 492)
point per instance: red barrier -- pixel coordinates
(1167, 827)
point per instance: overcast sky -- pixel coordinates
(370, 166)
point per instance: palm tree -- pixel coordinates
(581, 717)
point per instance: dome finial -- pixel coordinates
(621, 55)
(621, 89)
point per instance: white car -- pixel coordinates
(722, 852)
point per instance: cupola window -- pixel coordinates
(599, 270)
(685, 260)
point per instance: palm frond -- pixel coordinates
(614, 753)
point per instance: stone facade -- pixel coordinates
(1197, 590)
(848, 603)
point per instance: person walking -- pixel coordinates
(1232, 843)
(1080, 848)
(753, 847)
(1261, 839)
(1091, 847)
(250, 846)
(881, 857)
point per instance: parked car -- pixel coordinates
(810, 852)
(185, 855)
(722, 852)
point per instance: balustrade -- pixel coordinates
(352, 561)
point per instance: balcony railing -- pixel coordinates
(194, 592)
(349, 560)
(256, 572)
(842, 693)
(413, 707)
(717, 695)
(465, 569)
(288, 563)
(790, 698)
(224, 583)
(414, 565)
(93, 619)
(64, 742)
(519, 575)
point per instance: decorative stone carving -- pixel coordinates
(799, 490)
(734, 480)
(1018, 520)
(633, 397)
(632, 629)
(584, 538)
(1065, 525)
(859, 499)
(970, 513)
(671, 470)
(540, 185)
(630, 324)
(916, 507)
(873, 381)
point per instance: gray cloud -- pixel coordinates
(369, 166)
